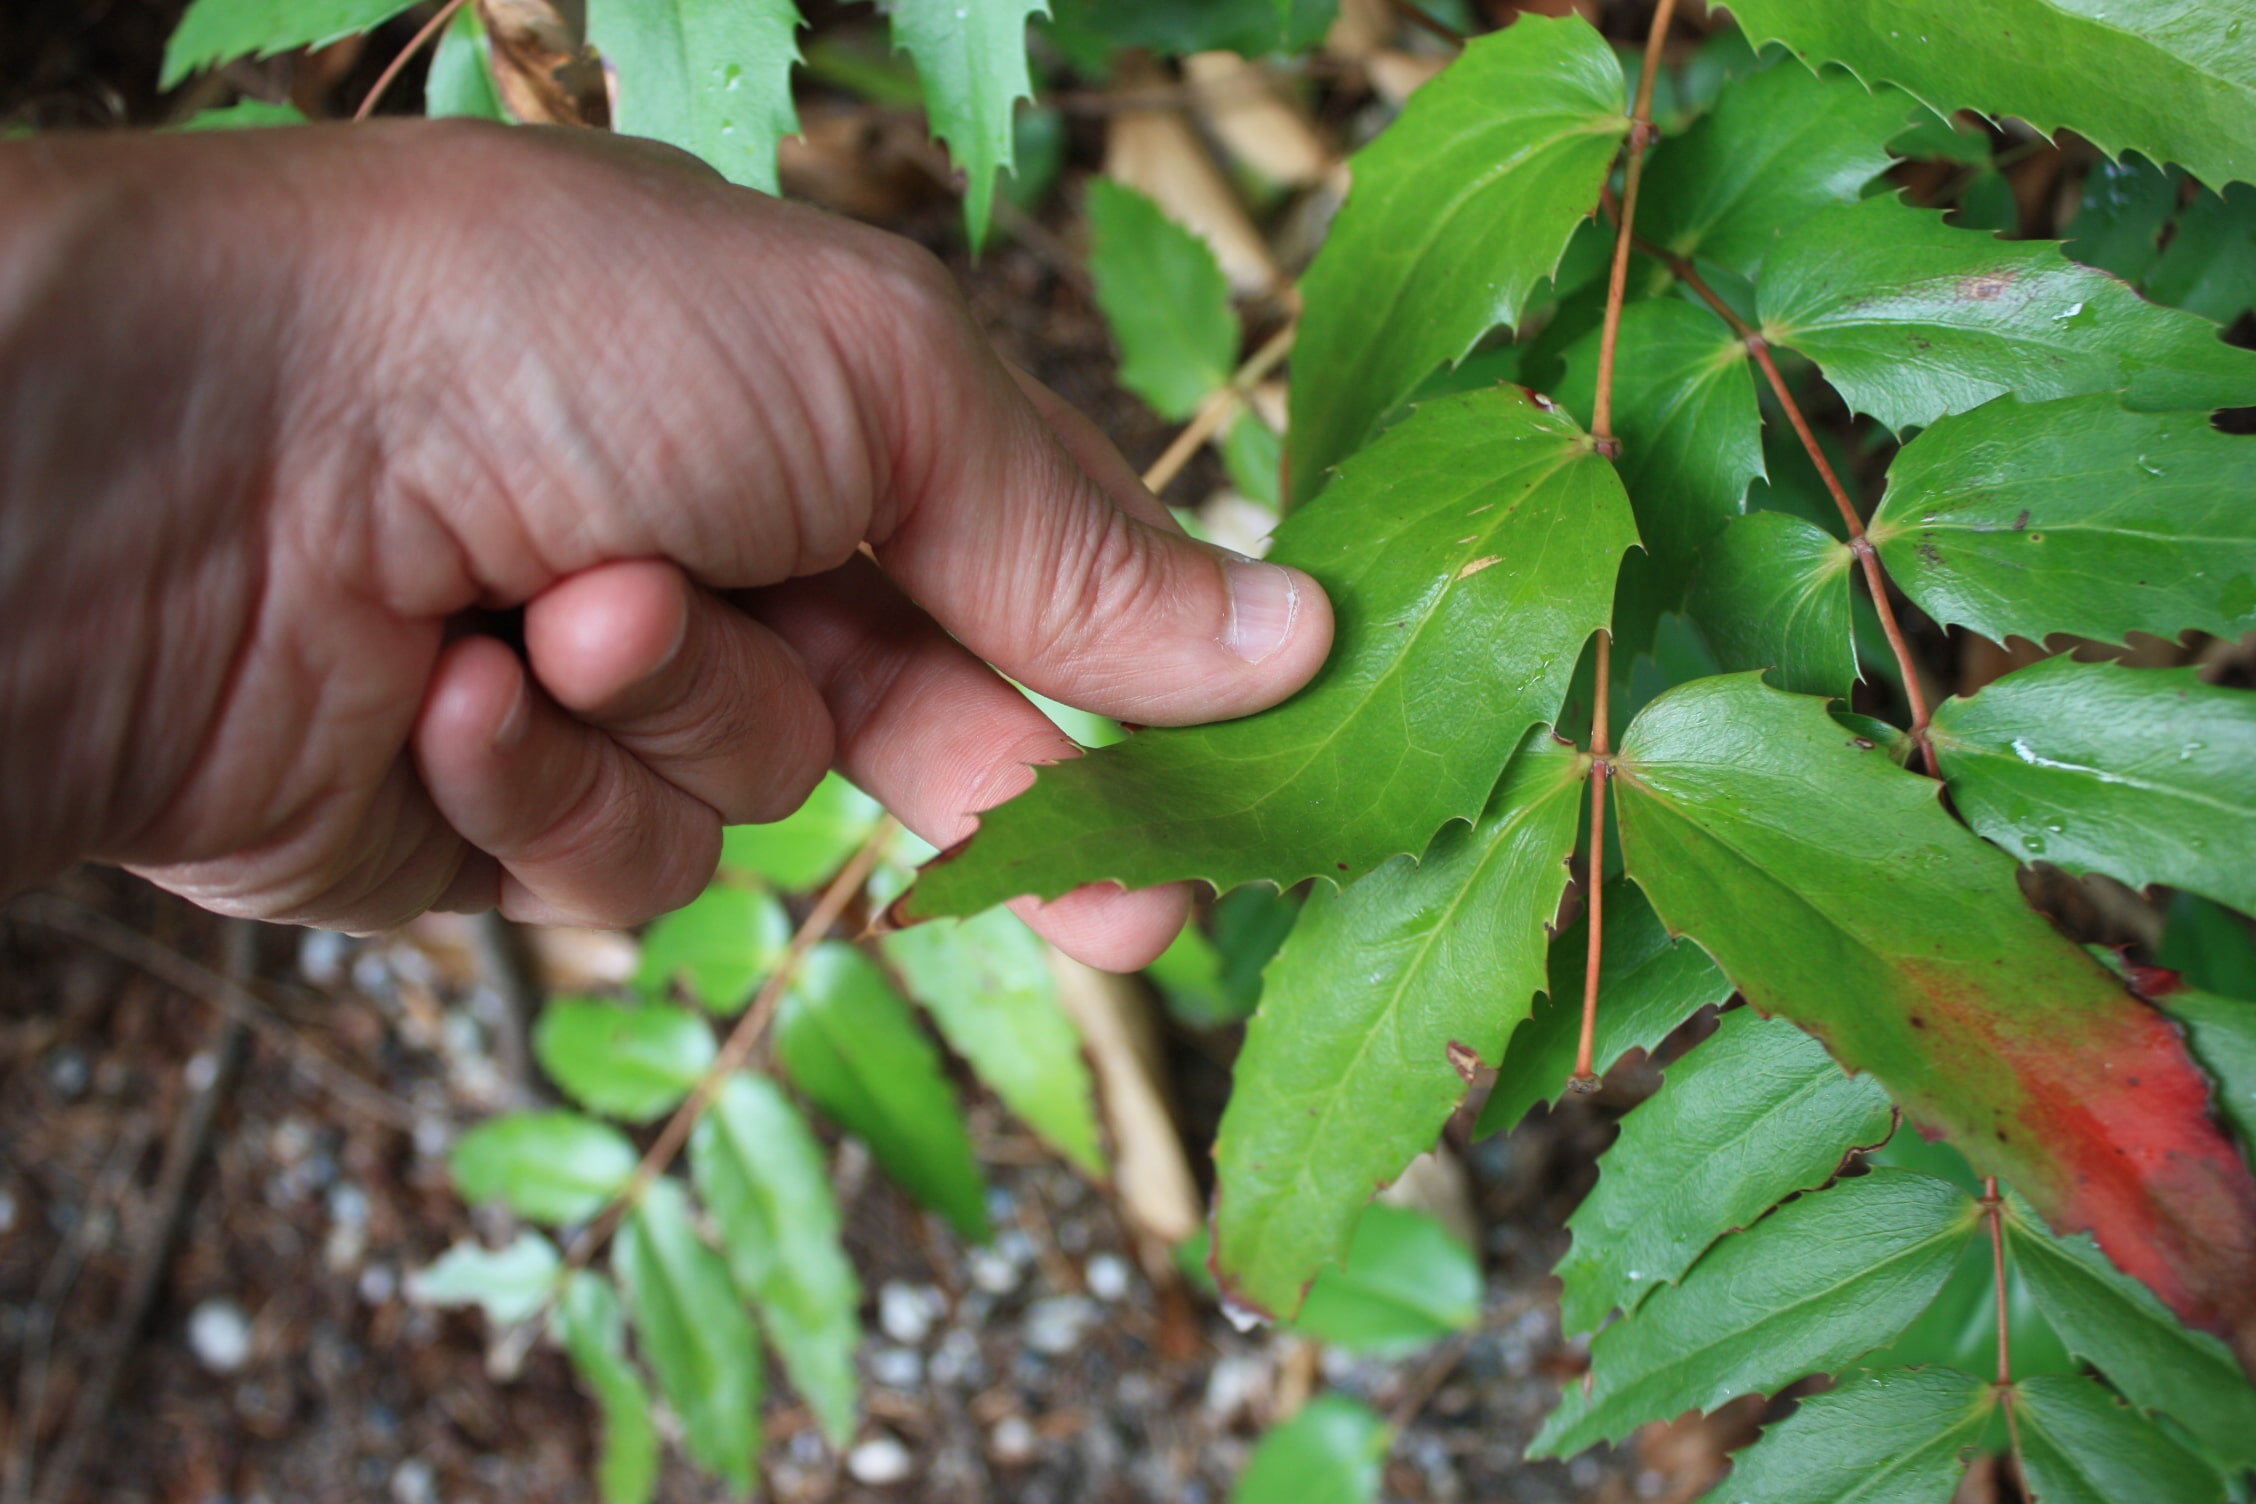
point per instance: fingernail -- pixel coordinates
(510, 734)
(1264, 600)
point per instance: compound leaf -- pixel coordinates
(595, 1336)
(1648, 984)
(214, 31)
(1373, 1016)
(509, 1284)
(1910, 319)
(2146, 775)
(692, 1330)
(971, 57)
(712, 77)
(987, 983)
(2175, 80)
(847, 1040)
(1899, 1436)
(1773, 593)
(1779, 145)
(1330, 1453)
(763, 1178)
(1834, 889)
(1469, 553)
(620, 1060)
(1407, 1282)
(1165, 298)
(2081, 1445)
(1459, 209)
(549, 1167)
(720, 947)
(1810, 1288)
(807, 845)
(2074, 516)
(1757, 1112)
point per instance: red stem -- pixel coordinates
(1993, 1206)
(415, 44)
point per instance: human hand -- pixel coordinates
(283, 408)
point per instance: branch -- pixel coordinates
(384, 80)
(1993, 1209)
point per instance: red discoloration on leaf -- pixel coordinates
(2154, 981)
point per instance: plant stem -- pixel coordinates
(383, 84)
(738, 1049)
(1585, 1077)
(1617, 287)
(1220, 406)
(1415, 13)
(1993, 1206)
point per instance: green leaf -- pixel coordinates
(811, 844)
(1773, 593)
(720, 948)
(1648, 984)
(1406, 1283)
(2074, 516)
(595, 1335)
(1165, 298)
(1100, 29)
(2171, 78)
(692, 1330)
(1778, 146)
(2209, 267)
(1374, 1015)
(2118, 226)
(550, 1167)
(987, 983)
(1459, 209)
(509, 1284)
(621, 1060)
(1959, 1330)
(1756, 1113)
(1896, 1437)
(1211, 983)
(2143, 774)
(1910, 319)
(1834, 889)
(1468, 554)
(763, 1178)
(712, 77)
(1254, 454)
(847, 1040)
(971, 57)
(1810, 1288)
(242, 115)
(2211, 947)
(214, 31)
(1330, 1453)
(2115, 1322)
(2222, 1032)
(1691, 432)
(2080, 1445)
(461, 83)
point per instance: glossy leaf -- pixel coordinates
(1648, 984)
(2147, 775)
(1684, 409)
(1407, 1282)
(216, 31)
(550, 1167)
(2222, 1033)
(620, 1060)
(692, 1331)
(1459, 209)
(808, 846)
(1329, 1453)
(2081, 1445)
(2212, 948)
(461, 82)
(2209, 267)
(712, 77)
(1468, 554)
(595, 1336)
(1835, 890)
(1779, 145)
(1910, 319)
(971, 57)
(987, 983)
(2074, 516)
(1773, 593)
(1384, 999)
(1811, 1287)
(1165, 298)
(2116, 1323)
(2118, 226)
(762, 1176)
(847, 1040)
(1756, 1113)
(2175, 80)
(509, 1284)
(720, 948)
(1899, 1436)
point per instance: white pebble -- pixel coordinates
(1054, 1327)
(992, 1272)
(1108, 1276)
(897, 1367)
(879, 1461)
(1013, 1440)
(903, 1312)
(413, 1482)
(220, 1336)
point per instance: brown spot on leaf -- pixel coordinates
(1477, 565)
(1987, 287)
(1465, 1060)
(2021, 521)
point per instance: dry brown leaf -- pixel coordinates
(1363, 27)
(1397, 75)
(1241, 104)
(1158, 152)
(1436, 1183)
(541, 66)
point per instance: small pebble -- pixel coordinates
(413, 1482)
(1108, 1276)
(879, 1461)
(7, 1211)
(992, 1272)
(1055, 1326)
(1013, 1440)
(201, 1070)
(220, 1335)
(378, 1284)
(957, 1361)
(68, 1073)
(905, 1312)
(897, 1367)
(323, 956)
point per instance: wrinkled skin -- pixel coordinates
(285, 416)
